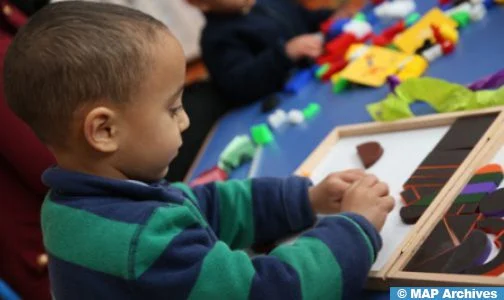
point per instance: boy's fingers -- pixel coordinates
(368, 181)
(388, 203)
(381, 189)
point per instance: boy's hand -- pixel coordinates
(306, 45)
(326, 196)
(370, 198)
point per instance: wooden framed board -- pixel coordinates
(406, 144)
(493, 153)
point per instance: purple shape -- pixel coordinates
(476, 188)
(393, 82)
(491, 82)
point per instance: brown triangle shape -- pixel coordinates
(369, 153)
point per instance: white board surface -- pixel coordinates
(403, 153)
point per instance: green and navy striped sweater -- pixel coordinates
(117, 239)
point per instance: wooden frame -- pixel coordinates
(419, 231)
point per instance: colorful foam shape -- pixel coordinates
(369, 153)
(491, 225)
(493, 204)
(473, 251)
(211, 175)
(482, 187)
(410, 214)
(495, 267)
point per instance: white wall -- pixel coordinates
(183, 20)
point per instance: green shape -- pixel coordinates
(235, 208)
(340, 85)
(163, 226)
(318, 271)
(360, 17)
(488, 177)
(322, 70)
(441, 95)
(224, 167)
(239, 150)
(469, 198)
(224, 274)
(87, 240)
(425, 201)
(261, 134)
(462, 18)
(311, 110)
(412, 19)
(392, 47)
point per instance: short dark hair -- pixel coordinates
(71, 53)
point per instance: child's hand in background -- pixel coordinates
(306, 45)
(369, 198)
(326, 196)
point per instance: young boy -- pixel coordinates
(250, 48)
(101, 85)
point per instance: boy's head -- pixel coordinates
(101, 85)
(223, 6)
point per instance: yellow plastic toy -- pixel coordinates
(449, 33)
(414, 37)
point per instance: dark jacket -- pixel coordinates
(245, 54)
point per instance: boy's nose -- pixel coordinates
(184, 122)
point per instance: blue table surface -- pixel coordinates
(480, 52)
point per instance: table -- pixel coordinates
(479, 53)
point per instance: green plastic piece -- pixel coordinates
(340, 85)
(261, 134)
(462, 18)
(360, 17)
(239, 150)
(392, 47)
(412, 19)
(322, 70)
(441, 95)
(311, 110)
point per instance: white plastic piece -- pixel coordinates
(466, 6)
(296, 116)
(359, 52)
(433, 53)
(477, 12)
(395, 10)
(277, 118)
(359, 28)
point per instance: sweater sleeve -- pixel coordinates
(244, 76)
(243, 213)
(330, 261)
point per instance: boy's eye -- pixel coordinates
(175, 110)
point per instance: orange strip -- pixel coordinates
(496, 272)
(423, 185)
(429, 176)
(490, 168)
(453, 237)
(473, 226)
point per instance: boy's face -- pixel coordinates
(224, 6)
(150, 126)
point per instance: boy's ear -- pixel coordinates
(101, 129)
(203, 5)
